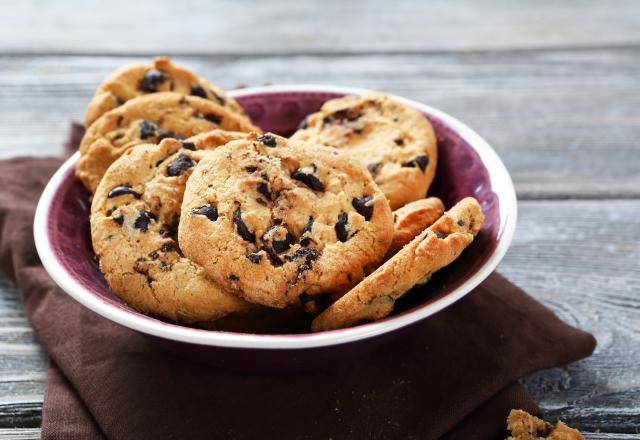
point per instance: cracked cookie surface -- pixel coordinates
(134, 220)
(161, 75)
(274, 220)
(149, 119)
(436, 247)
(395, 142)
(412, 219)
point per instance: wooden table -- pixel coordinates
(553, 86)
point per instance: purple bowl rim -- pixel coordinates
(500, 181)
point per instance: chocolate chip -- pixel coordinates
(326, 120)
(420, 161)
(166, 247)
(147, 129)
(308, 256)
(364, 206)
(219, 98)
(254, 258)
(198, 90)
(307, 176)
(279, 237)
(121, 190)
(143, 220)
(304, 123)
(268, 139)
(154, 255)
(357, 130)
(243, 230)
(460, 222)
(348, 114)
(233, 277)
(179, 165)
(251, 169)
(209, 211)
(373, 167)
(119, 220)
(167, 134)
(211, 117)
(188, 145)
(315, 303)
(274, 259)
(152, 79)
(399, 141)
(440, 235)
(342, 226)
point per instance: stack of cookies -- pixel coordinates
(199, 217)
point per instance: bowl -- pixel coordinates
(467, 166)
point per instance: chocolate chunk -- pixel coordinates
(166, 247)
(251, 169)
(306, 232)
(211, 117)
(341, 227)
(274, 259)
(399, 141)
(304, 123)
(147, 129)
(315, 303)
(460, 222)
(219, 98)
(198, 90)
(327, 120)
(121, 190)
(420, 161)
(358, 130)
(440, 235)
(254, 258)
(143, 220)
(307, 176)
(119, 220)
(188, 145)
(179, 165)
(364, 206)
(280, 243)
(243, 230)
(263, 188)
(152, 79)
(308, 256)
(168, 134)
(373, 167)
(154, 255)
(209, 211)
(233, 277)
(268, 139)
(346, 114)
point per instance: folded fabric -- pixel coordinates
(454, 375)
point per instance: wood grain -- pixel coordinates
(580, 258)
(565, 122)
(290, 26)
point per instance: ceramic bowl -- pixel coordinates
(467, 166)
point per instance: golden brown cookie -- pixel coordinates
(430, 251)
(394, 141)
(134, 221)
(524, 426)
(161, 75)
(273, 219)
(412, 219)
(149, 119)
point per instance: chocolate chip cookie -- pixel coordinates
(395, 142)
(434, 248)
(149, 119)
(274, 220)
(412, 219)
(134, 221)
(524, 426)
(160, 76)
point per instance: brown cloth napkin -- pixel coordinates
(452, 376)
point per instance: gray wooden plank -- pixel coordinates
(565, 122)
(289, 26)
(19, 433)
(578, 257)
